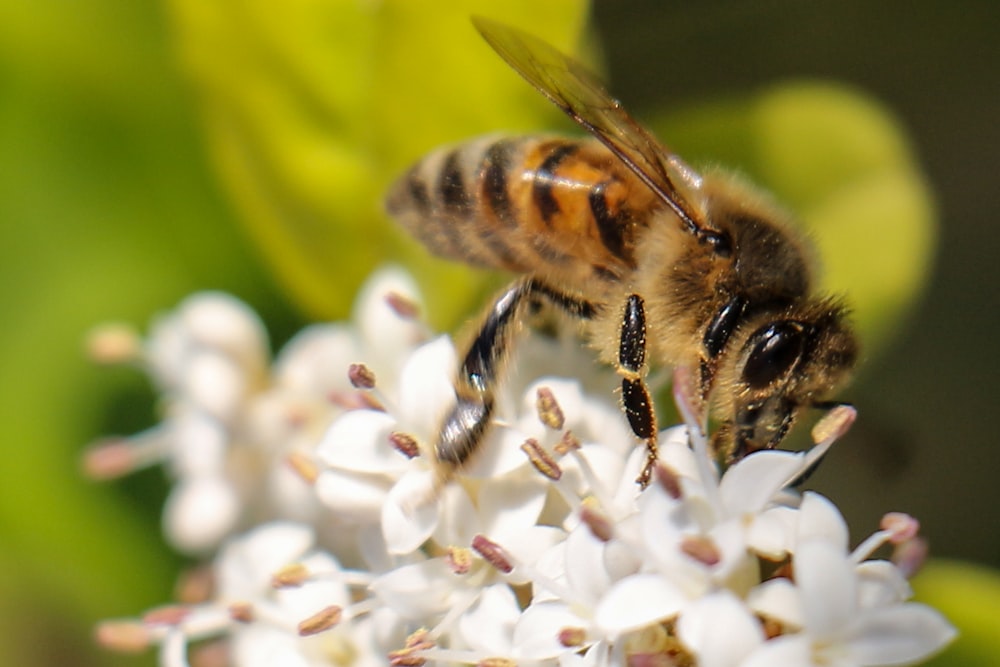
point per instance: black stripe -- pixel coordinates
(545, 178)
(547, 252)
(497, 245)
(605, 274)
(417, 188)
(496, 164)
(451, 186)
(572, 305)
(611, 227)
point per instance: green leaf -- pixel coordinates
(841, 163)
(969, 596)
(310, 111)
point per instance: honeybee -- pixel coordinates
(660, 262)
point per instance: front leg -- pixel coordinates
(464, 428)
(636, 402)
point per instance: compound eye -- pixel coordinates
(774, 349)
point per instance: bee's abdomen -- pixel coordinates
(521, 203)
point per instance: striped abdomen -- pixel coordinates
(568, 207)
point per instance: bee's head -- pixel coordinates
(781, 365)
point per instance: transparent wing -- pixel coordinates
(580, 93)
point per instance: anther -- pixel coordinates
(598, 524)
(459, 559)
(109, 459)
(290, 576)
(113, 344)
(568, 443)
(406, 656)
(572, 636)
(548, 408)
(361, 376)
(166, 615)
(241, 612)
(901, 527)
(702, 549)
(123, 636)
(322, 620)
(541, 459)
(303, 466)
(404, 307)
(492, 553)
(834, 424)
(405, 444)
(668, 480)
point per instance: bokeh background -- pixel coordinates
(148, 150)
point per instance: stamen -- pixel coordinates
(492, 553)
(600, 526)
(459, 559)
(834, 424)
(303, 466)
(568, 443)
(166, 615)
(322, 620)
(242, 612)
(668, 479)
(541, 460)
(361, 377)
(902, 527)
(572, 636)
(909, 556)
(405, 657)
(405, 444)
(548, 409)
(123, 636)
(109, 459)
(404, 307)
(290, 576)
(113, 343)
(702, 549)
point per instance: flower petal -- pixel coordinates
(899, 635)
(537, 633)
(637, 601)
(425, 388)
(820, 519)
(200, 512)
(352, 496)
(719, 630)
(828, 588)
(786, 650)
(750, 484)
(410, 513)
(359, 441)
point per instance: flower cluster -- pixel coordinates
(343, 544)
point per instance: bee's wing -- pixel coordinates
(580, 93)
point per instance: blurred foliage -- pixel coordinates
(969, 596)
(109, 209)
(309, 114)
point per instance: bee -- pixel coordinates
(661, 263)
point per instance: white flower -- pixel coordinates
(231, 420)
(278, 600)
(541, 550)
(840, 629)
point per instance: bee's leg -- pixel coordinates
(636, 401)
(464, 427)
